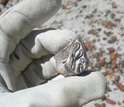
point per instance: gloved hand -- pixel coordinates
(31, 57)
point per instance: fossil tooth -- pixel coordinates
(73, 57)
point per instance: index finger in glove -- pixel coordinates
(18, 22)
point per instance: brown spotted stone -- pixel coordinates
(104, 23)
(97, 105)
(92, 22)
(113, 56)
(120, 86)
(92, 31)
(114, 5)
(110, 101)
(102, 62)
(88, 44)
(117, 78)
(111, 50)
(118, 12)
(119, 103)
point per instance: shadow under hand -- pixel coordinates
(42, 30)
(87, 72)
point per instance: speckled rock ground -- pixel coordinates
(101, 25)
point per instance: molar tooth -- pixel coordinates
(74, 57)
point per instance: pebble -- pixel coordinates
(112, 40)
(104, 23)
(113, 15)
(119, 103)
(123, 101)
(108, 33)
(113, 56)
(88, 44)
(110, 101)
(118, 12)
(114, 5)
(108, 24)
(103, 105)
(102, 62)
(119, 48)
(89, 16)
(114, 65)
(120, 86)
(117, 19)
(107, 12)
(111, 50)
(92, 22)
(97, 105)
(117, 78)
(92, 31)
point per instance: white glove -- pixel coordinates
(30, 61)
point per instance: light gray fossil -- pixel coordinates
(72, 59)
